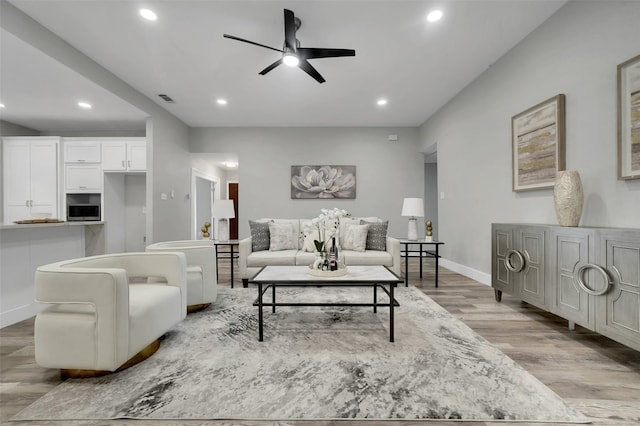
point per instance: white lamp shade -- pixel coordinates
(223, 209)
(413, 207)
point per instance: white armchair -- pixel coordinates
(202, 284)
(99, 322)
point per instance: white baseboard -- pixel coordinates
(474, 274)
(19, 314)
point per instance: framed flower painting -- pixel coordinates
(323, 182)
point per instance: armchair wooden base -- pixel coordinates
(137, 358)
(196, 308)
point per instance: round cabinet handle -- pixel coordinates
(509, 265)
(580, 273)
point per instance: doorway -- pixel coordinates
(204, 190)
(232, 190)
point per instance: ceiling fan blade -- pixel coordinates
(306, 67)
(270, 67)
(312, 53)
(251, 42)
(289, 30)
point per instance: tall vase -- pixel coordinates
(568, 197)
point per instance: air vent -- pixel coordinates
(167, 99)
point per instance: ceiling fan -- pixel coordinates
(294, 55)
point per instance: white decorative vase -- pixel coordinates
(568, 197)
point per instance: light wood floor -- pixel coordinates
(596, 375)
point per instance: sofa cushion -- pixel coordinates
(355, 237)
(377, 235)
(371, 219)
(259, 235)
(275, 258)
(282, 237)
(309, 246)
(305, 258)
(344, 222)
(368, 257)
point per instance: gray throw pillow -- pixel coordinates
(377, 235)
(260, 236)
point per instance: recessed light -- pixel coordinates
(434, 15)
(149, 15)
(1, 105)
(231, 164)
(221, 101)
(382, 102)
(84, 105)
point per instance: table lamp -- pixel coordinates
(223, 211)
(413, 208)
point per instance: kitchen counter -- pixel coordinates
(4, 225)
(24, 247)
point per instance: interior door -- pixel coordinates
(233, 225)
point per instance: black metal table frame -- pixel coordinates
(231, 256)
(427, 253)
(263, 287)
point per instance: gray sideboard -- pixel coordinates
(589, 276)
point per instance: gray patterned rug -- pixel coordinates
(315, 363)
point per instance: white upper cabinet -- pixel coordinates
(83, 178)
(124, 155)
(78, 151)
(30, 177)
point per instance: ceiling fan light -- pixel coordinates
(290, 59)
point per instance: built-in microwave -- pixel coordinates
(83, 207)
(82, 212)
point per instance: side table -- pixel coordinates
(424, 253)
(226, 254)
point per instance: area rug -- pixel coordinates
(314, 363)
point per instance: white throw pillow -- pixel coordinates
(355, 237)
(282, 237)
(344, 222)
(309, 245)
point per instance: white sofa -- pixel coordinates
(97, 320)
(250, 262)
(202, 284)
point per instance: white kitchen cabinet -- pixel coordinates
(30, 177)
(83, 178)
(124, 156)
(81, 151)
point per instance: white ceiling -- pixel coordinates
(417, 66)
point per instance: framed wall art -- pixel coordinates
(538, 145)
(629, 119)
(323, 182)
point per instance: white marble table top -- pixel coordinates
(300, 274)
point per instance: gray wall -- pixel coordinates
(386, 172)
(575, 52)
(11, 129)
(167, 144)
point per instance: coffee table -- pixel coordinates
(374, 276)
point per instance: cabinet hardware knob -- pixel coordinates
(26, 203)
(578, 278)
(122, 163)
(129, 163)
(509, 265)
